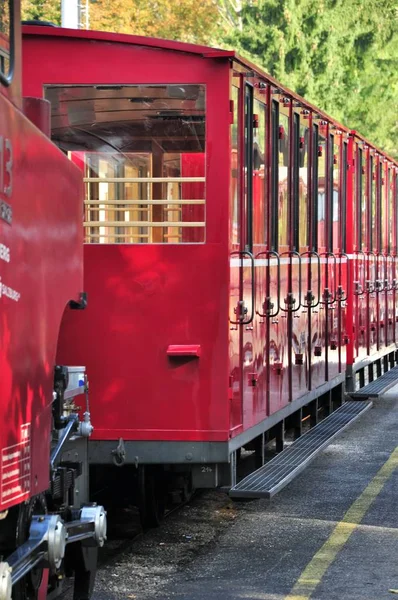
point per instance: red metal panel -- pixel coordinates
(133, 40)
(40, 271)
(144, 298)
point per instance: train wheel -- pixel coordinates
(83, 562)
(16, 533)
(151, 495)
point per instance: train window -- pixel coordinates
(334, 240)
(358, 200)
(381, 209)
(6, 41)
(394, 194)
(274, 173)
(142, 149)
(295, 183)
(373, 206)
(369, 187)
(234, 196)
(249, 155)
(259, 173)
(321, 193)
(364, 203)
(343, 210)
(283, 181)
(314, 224)
(390, 217)
(303, 219)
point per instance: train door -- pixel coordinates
(385, 258)
(242, 293)
(388, 231)
(394, 218)
(343, 264)
(380, 285)
(301, 257)
(371, 279)
(318, 316)
(336, 257)
(236, 309)
(282, 300)
(389, 237)
(360, 262)
(262, 255)
(332, 256)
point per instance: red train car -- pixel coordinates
(41, 278)
(239, 254)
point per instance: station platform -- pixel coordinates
(331, 534)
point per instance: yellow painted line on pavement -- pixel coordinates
(317, 567)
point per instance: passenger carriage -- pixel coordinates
(240, 248)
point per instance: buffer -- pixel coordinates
(278, 472)
(378, 387)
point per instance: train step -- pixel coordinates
(278, 472)
(378, 387)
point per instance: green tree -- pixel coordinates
(185, 20)
(339, 55)
(45, 10)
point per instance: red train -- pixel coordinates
(45, 532)
(240, 254)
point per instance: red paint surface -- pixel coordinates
(41, 271)
(144, 299)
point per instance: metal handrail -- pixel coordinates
(240, 307)
(340, 291)
(310, 297)
(267, 301)
(389, 264)
(328, 297)
(144, 224)
(144, 179)
(368, 281)
(149, 202)
(357, 283)
(290, 300)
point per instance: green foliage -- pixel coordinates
(185, 20)
(45, 10)
(341, 56)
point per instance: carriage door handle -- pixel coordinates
(269, 310)
(243, 315)
(309, 298)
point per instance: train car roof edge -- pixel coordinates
(196, 49)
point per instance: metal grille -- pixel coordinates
(278, 472)
(379, 386)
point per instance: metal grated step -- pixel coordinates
(379, 386)
(278, 472)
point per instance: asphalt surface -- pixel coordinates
(262, 552)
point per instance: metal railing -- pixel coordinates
(138, 220)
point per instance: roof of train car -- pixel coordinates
(196, 49)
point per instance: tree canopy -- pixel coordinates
(342, 56)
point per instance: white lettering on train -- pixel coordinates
(8, 292)
(5, 253)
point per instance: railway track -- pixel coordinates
(125, 532)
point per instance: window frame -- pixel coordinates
(6, 78)
(314, 224)
(295, 182)
(274, 237)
